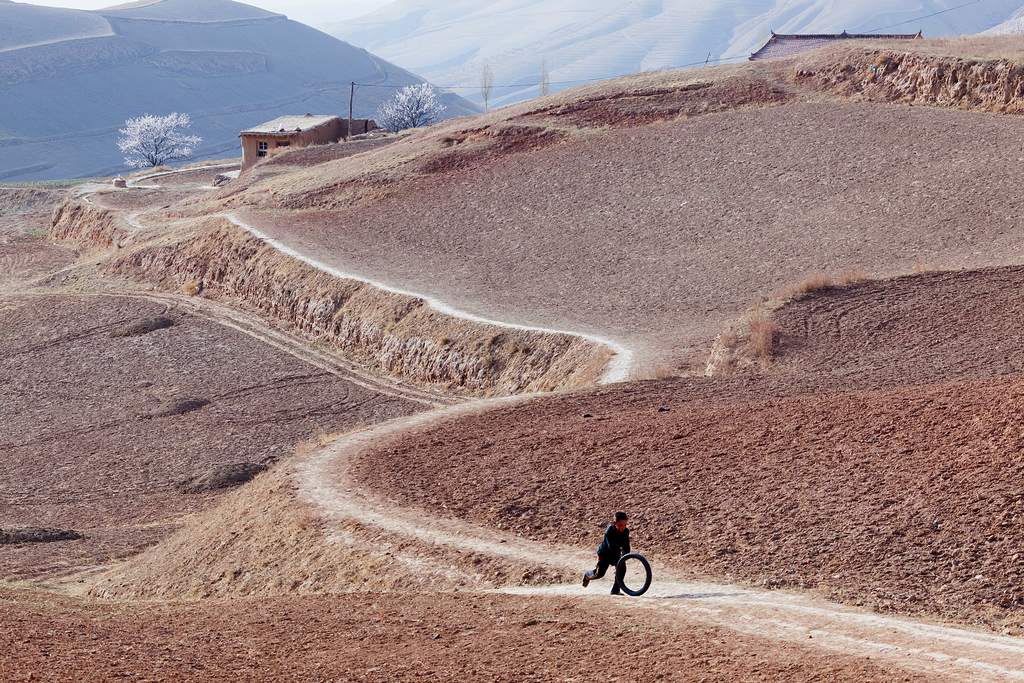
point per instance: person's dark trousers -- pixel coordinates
(601, 569)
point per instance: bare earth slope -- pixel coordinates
(654, 210)
(374, 637)
(105, 420)
(871, 459)
(854, 484)
(929, 327)
(24, 220)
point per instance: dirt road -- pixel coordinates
(658, 235)
(922, 647)
(925, 648)
(619, 368)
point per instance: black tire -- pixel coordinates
(623, 567)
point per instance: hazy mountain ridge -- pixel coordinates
(448, 42)
(188, 11)
(227, 64)
(1011, 26)
(24, 25)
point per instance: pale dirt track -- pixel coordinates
(917, 646)
(657, 236)
(620, 368)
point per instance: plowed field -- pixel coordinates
(102, 421)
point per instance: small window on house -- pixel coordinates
(283, 143)
(261, 148)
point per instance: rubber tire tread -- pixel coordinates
(647, 569)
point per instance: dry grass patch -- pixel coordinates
(37, 535)
(143, 327)
(664, 372)
(822, 281)
(761, 337)
(748, 344)
(191, 288)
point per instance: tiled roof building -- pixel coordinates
(787, 45)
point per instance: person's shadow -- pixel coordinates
(694, 596)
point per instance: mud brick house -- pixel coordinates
(297, 131)
(787, 45)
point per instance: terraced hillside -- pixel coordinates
(813, 266)
(653, 211)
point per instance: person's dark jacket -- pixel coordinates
(614, 545)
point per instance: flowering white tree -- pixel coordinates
(411, 107)
(153, 140)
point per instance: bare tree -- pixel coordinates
(153, 140)
(545, 78)
(486, 85)
(412, 107)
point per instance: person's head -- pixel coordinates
(621, 520)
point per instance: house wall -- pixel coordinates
(360, 126)
(331, 131)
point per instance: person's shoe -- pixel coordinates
(616, 591)
(586, 580)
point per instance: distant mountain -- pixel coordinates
(1012, 26)
(69, 79)
(448, 41)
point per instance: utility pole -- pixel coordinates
(351, 101)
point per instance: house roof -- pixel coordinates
(786, 45)
(284, 125)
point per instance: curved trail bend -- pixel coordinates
(325, 481)
(618, 369)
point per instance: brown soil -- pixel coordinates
(478, 147)
(373, 637)
(658, 235)
(26, 256)
(89, 227)
(645, 106)
(24, 221)
(653, 211)
(828, 473)
(263, 540)
(93, 434)
(27, 200)
(929, 327)
(197, 178)
(319, 154)
(901, 500)
(919, 76)
(139, 198)
(393, 333)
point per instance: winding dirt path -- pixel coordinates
(960, 653)
(325, 481)
(619, 367)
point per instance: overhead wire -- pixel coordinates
(926, 16)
